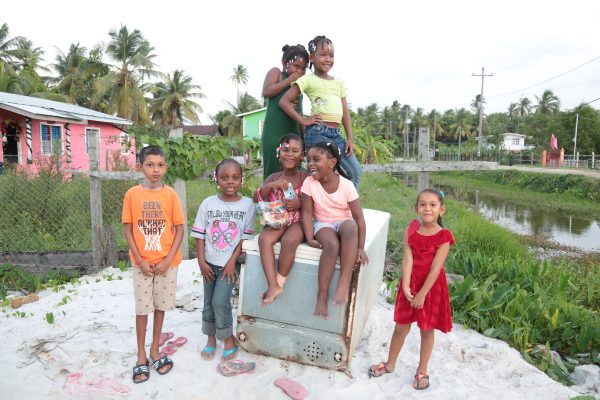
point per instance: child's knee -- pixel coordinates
(290, 241)
(401, 329)
(426, 334)
(266, 240)
(331, 246)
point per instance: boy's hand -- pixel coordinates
(361, 258)
(162, 267)
(146, 268)
(294, 204)
(408, 295)
(229, 272)
(313, 119)
(418, 301)
(207, 272)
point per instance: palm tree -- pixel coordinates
(239, 77)
(6, 46)
(232, 123)
(26, 56)
(172, 102)
(548, 103)
(69, 69)
(434, 123)
(461, 124)
(523, 109)
(513, 115)
(133, 56)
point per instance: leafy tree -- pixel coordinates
(434, 123)
(232, 123)
(548, 103)
(461, 124)
(239, 77)
(6, 46)
(173, 100)
(133, 56)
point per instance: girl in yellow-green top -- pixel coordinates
(328, 106)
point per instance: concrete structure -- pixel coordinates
(287, 329)
(34, 129)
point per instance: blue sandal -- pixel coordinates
(208, 353)
(228, 353)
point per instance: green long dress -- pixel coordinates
(277, 125)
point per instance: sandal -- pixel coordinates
(161, 362)
(141, 370)
(375, 371)
(228, 353)
(235, 367)
(208, 353)
(164, 337)
(418, 377)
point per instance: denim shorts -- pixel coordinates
(335, 225)
(323, 133)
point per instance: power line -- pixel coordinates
(547, 80)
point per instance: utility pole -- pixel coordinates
(434, 125)
(575, 138)
(480, 133)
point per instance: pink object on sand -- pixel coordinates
(292, 388)
(180, 341)
(106, 386)
(235, 367)
(164, 337)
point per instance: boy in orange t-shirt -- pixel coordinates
(153, 226)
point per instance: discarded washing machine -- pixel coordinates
(287, 329)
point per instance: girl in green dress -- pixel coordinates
(277, 122)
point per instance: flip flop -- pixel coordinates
(164, 337)
(228, 353)
(417, 381)
(180, 341)
(235, 367)
(208, 353)
(375, 371)
(140, 369)
(292, 388)
(168, 350)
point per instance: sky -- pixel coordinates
(421, 53)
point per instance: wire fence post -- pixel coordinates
(422, 157)
(95, 199)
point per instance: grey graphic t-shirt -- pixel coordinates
(222, 225)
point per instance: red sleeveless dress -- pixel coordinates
(436, 313)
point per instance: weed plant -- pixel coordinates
(13, 278)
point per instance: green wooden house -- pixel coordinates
(253, 123)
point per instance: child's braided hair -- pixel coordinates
(314, 44)
(292, 53)
(335, 152)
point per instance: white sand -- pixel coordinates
(96, 337)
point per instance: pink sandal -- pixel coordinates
(173, 345)
(164, 337)
(292, 388)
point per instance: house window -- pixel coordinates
(125, 144)
(516, 142)
(89, 134)
(51, 137)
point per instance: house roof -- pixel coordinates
(251, 112)
(208, 130)
(514, 134)
(33, 107)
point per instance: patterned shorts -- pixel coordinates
(155, 292)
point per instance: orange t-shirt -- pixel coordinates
(153, 214)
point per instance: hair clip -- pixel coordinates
(277, 151)
(215, 176)
(442, 194)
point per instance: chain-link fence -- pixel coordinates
(45, 219)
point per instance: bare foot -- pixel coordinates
(271, 294)
(341, 295)
(321, 308)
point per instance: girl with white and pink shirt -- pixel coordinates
(333, 220)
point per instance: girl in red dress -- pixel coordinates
(423, 294)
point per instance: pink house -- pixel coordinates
(32, 129)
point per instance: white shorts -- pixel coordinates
(335, 225)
